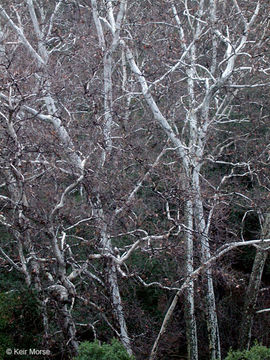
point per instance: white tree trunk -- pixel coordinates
(108, 51)
(111, 274)
(191, 328)
(212, 321)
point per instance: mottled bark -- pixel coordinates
(211, 315)
(111, 276)
(191, 327)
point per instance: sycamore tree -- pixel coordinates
(57, 141)
(72, 164)
(197, 56)
(118, 120)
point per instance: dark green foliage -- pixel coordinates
(94, 351)
(20, 322)
(257, 352)
(11, 280)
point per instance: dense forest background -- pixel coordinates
(134, 176)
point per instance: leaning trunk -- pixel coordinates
(251, 299)
(253, 289)
(117, 306)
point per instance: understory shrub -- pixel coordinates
(95, 351)
(256, 352)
